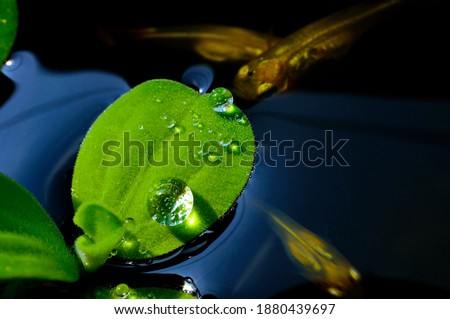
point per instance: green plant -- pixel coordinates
(8, 27)
(158, 168)
(31, 244)
(128, 206)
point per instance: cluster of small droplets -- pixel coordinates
(221, 100)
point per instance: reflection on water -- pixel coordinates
(319, 261)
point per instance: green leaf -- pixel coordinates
(123, 291)
(31, 245)
(8, 27)
(103, 232)
(167, 161)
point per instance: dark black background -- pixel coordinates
(405, 55)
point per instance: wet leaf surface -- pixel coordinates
(167, 162)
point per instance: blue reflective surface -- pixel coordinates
(199, 76)
(43, 123)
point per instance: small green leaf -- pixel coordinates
(8, 27)
(123, 291)
(31, 245)
(103, 231)
(167, 161)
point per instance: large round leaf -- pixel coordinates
(8, 27)
(167, 162)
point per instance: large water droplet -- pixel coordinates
(221, 100)
(170, 202)
(129, 245)
(121, 291)
(129, 224)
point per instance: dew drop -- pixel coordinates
(177, 129)
(129, 224)
(129, 243)
(170, 122)
(73, 193)
(213, 158)
(241, 119)
(198, 155)
(121, 291)
(190, 288)
(158, 100)
(221, 100)
(142, 250)
(170, 202)
(140, 127)
(195, 119)
(112, 253)
(234, 147)
(225, 141)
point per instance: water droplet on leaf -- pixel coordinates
(121, 291)
(177, 129)
(241, 119)
(129, 223)
(234, 147)
(169, 122)
(113, 253)
(142, 250)
(225, 141)
(221, 100)
(170, 202)
(213, 158)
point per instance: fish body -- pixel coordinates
(277, 69)
(217, 43)
(318, 260)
